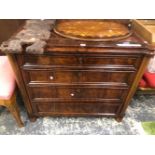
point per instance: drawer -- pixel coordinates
(44, 107)
(77, 92)
(85, 60)
(85, 76)
(73, 108)
(86, 107)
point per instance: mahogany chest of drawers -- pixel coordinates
(80, 78)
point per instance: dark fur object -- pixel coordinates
(33, 36)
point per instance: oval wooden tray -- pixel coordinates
(92, 30)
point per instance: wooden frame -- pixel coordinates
(146, 29)
(21, 87)
(13, 108)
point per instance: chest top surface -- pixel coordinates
(41, 37)
(130, 45)
(69, 38)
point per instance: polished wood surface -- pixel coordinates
(146, 29)
(77, 59)
(74, 76)
(92, 30)
(81, 78)
(76, 108)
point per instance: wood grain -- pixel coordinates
(70, 79)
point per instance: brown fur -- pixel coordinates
(34, 35)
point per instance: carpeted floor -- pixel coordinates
(140, 110)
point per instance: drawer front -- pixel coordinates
(74, 108)
(44, 107)
(74, 60)
(70, 93)
(80, 107)
(69, 76)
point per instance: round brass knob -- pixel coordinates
(72, 94)
(51, 77)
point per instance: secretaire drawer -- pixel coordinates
(85, 60)
(87, 76)
(38, 93)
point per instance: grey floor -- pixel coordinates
(142, 108)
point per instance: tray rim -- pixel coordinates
(92, 39)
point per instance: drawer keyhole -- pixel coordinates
(81, 60)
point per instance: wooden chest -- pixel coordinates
(81, 78)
